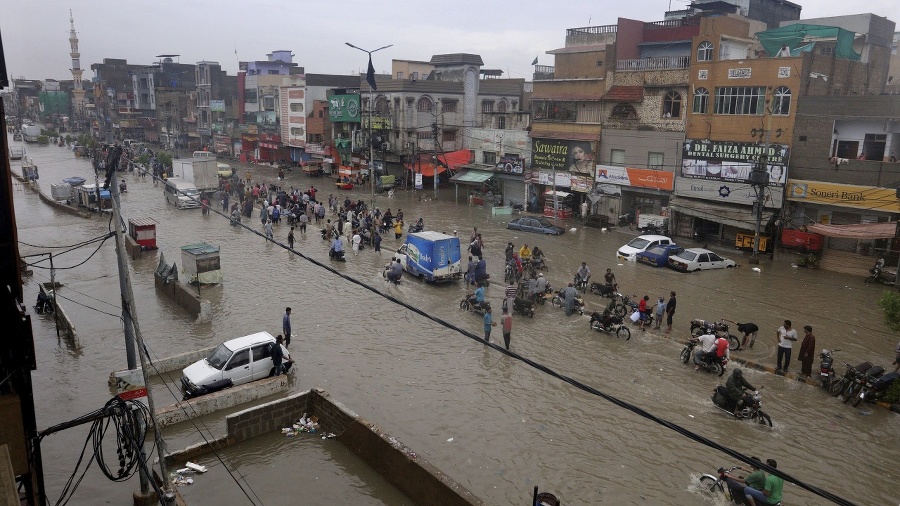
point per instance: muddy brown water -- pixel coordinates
(491, 422)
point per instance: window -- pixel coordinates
(297, 131)
(321, 113)
(740, 100)
(423, 136)
(448, 105)
(782, 103)
(489, 158)
(448, 136)
(413, 75)
(424, 105)
(400, 75)
(262, 351)
(296, 107)
(487, 106)
(239, 359)
(655, 160)
(873, 146)
(273, 72)
(501, 107)
(599, 63)
(705, 51)
(501, 122)
(269, 103)
(623, 111)
(701, 101)
(617, 157)
(672, 105)
(382, 106)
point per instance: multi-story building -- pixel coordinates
(259, 85)
(441, 112)
(114, 99)
(743, 108)
(145, 83)
(893, 79)
(299, 96)
(217, 95)
(770, 12)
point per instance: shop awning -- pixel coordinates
(735, 216)
(884, 230)
(453, 160)
(558, 193)
(624, 94)
(471, 177)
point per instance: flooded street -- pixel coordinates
(493, 423)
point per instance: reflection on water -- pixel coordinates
(512, 427)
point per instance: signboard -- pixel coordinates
(217, 105)
(729, 192)
(343, 108)
(380, 123)
(573, 156)
(739, 73)
(732, 161)
(581, 184)
(869, 198)
(510, 165)
(784, 72)
(545, 177)
(641, 178)
(418, 180)
(130, 384)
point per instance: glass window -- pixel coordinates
(261, 351)
(489, 157)
(220, 355)
(672, 105)
(424, 105)
(448, 105)
(782, 103)
(399, 75)
(705, 51)
(688, 255)
(655, 160)
(701, 101)
(296, 107)
(501, 122)
(714, 258)
(617, 157)
(703, 258)
(239, 359)
(501, 107)
(487, 106)
(740, 100)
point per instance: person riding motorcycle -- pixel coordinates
(537, 258)
(610, 279)
(540, 285)
(480, 270)
(525, 253)
(337, 248)
(582, 275)
(508, 252)
(734, 389)
(707, 344)
(395, 272)
(419, 226)
(477, 298)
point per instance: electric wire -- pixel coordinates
(102, 239)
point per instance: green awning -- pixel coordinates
(471, 177)
(794, 36)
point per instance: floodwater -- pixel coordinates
(493, 423)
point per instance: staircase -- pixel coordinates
(846, 262)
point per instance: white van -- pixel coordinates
(181, 194)
(204, 154)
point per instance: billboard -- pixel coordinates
(561, 154)
(510, 164)
(641, 178)
(732, 161)
(869, 198)
(217, 105)
(343, 108)
(729, 192)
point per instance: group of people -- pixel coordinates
(758, 488)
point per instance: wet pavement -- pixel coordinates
(493, 423)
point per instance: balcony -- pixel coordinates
(657, 63)
(543, 72)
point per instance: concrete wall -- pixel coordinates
(224, 399)
(185, 296)
(397, 463)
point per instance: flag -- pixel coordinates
(370, 75)
(535, 61)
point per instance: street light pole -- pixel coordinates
(371, 106)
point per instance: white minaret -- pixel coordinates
(78, 90)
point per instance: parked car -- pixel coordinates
(658, 256)
(641, 243)
(240, 360)
(535, 224)
(698, 259)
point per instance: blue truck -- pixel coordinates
(432, 256)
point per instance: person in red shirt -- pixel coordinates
(642, 310)
(721, 348)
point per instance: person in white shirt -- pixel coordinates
(355, 242)
(785, 335)
(707, 345)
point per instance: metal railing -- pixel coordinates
(657, 63)
(592, 30)
(673, 23)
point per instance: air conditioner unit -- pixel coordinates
(385, 146)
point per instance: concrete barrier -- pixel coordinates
(224, 399)
(397, 463)
(183, 295)
(65, 324)
(36, 188)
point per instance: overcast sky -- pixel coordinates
(507, 35)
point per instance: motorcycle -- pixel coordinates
(509, 274)
(715, 485)
(522, 306)
(715, 366)
(603, 289)
(44, 304)
(414, 228)
(610, 324)
(385, 272)
(123, 187)
(874, 388)
(470, 304)
(580, 284)
(559, 300)
(882, 276)
(719, 329)
(752, 409)
(235, 219)
(541, 297)
(860, 383)
(826, 368)
(336, 255)
(840, 386)
(656, 229)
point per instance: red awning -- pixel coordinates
(625, 94)
(454, 160)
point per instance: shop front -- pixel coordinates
(222, 145)
(632, 192)
(478, 184)
(269, 146)
(561, 166)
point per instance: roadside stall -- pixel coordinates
(143, 231)
(563, 204)
(86, 196)
(201, 263)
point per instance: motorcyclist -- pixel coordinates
(477, 298)
(396, 271)
(480, 270)
(419, 226)
(707, 345)
(610, 279)
(540, 285)
(722, 349)
(537, 257)
(734, 389)
(337, 247)
(525, 253)
(508, 253)
(583, 274)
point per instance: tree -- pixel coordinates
(164, 158)
(890, 304)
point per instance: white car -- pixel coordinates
(697, 259)
(239, 360)
(640, 244)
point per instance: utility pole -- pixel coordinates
(759, 178)
(437, 161)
